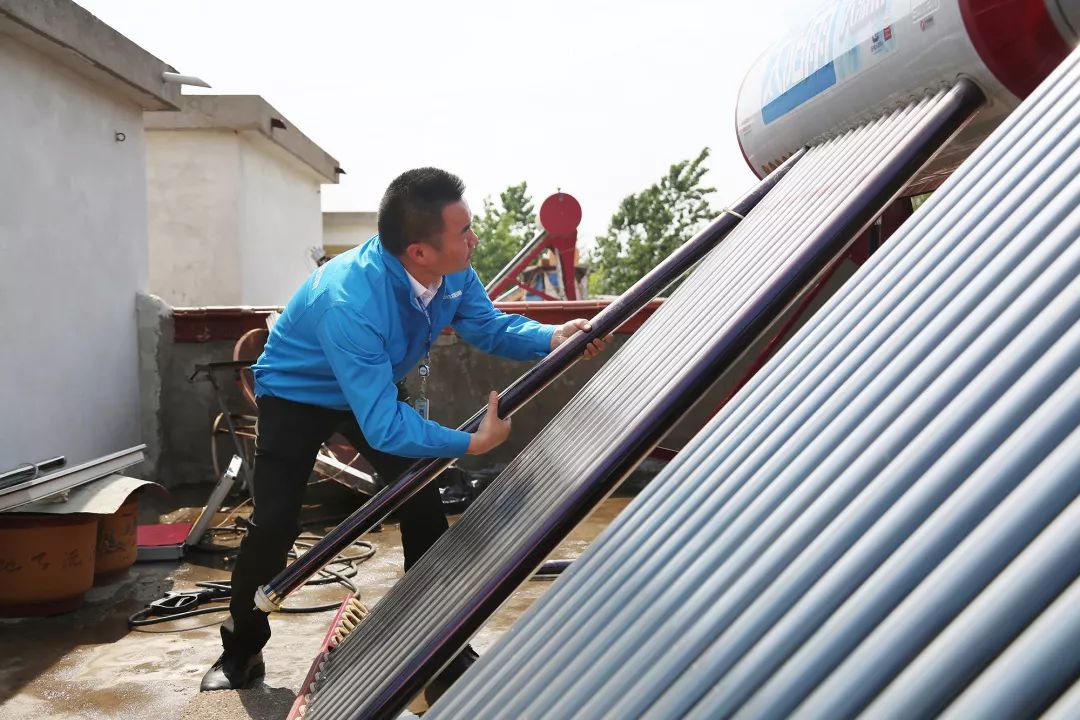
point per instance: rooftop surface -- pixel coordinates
(88, 664)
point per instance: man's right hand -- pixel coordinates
(492, 432)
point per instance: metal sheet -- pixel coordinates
(794, 233)
(55, 483)
(880, 512)
(101, 497)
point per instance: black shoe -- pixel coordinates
(450, 673)
(232, 673)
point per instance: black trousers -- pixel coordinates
(289, 438)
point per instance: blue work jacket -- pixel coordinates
(355, 327)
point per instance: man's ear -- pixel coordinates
(417, 252)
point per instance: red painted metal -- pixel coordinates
(511, 278)
(200, 325)
(560, 215)
(537, 292)
(1016, 39)
(566, 247)
(209, 324)
(557, 313)
(330, 641)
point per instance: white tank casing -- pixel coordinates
(857, 59)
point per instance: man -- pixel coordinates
(335, 362)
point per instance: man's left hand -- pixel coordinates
(564, 332)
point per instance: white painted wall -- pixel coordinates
(281, 222)
(348, 228)
(72, 257)
(233, 218)
(192, 179)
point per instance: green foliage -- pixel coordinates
(918, 200)
(503, 229)
(649, 226)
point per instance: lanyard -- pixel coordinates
(422, 405)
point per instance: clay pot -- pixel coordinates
(116, 543)
(46, 562)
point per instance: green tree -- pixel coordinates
(503, 228)
(649, 226)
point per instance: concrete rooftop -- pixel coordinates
(88, 664)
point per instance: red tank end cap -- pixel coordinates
(560, 214)
(1017, 39)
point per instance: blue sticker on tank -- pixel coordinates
(824, 53)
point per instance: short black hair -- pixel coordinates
(411, 208)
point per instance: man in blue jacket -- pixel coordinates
(335, 361)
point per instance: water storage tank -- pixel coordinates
(855, 59)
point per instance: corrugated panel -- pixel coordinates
(796, 230)
(884, 522)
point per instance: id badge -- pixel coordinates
(422, 408)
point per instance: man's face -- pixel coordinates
(458, 241)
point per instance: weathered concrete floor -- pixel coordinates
(87, 664)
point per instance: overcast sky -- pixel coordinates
(596, 98)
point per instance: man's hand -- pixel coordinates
(492, 432)
(564, 332)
